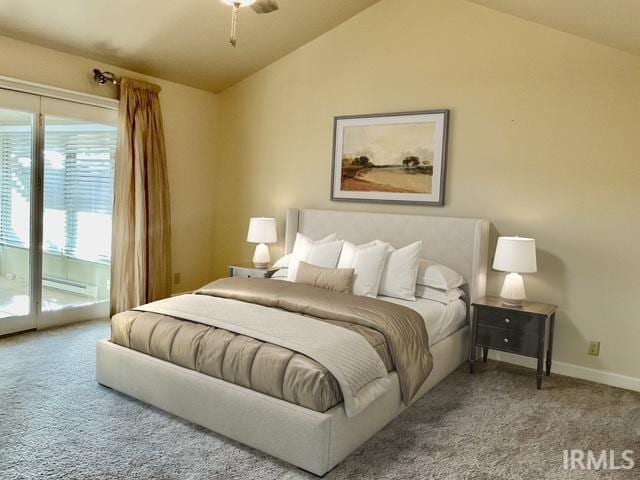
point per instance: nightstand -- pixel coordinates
(248, 270)
(521, 330)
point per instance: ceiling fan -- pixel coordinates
(258, 6)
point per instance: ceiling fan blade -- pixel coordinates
(265, 6)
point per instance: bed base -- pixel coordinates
(313, 441)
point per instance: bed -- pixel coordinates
(317, 439)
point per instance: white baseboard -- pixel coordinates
(66, 316)
(571, 370)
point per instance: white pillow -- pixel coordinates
(368, 262)
(434, 275)
(320, 254)
(281, 273)
(349, 252)
(283, 262)
(325, 254)
(301, 244)
(304, 243)
(441, 296)
(400, 272)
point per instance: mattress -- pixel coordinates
(238, 359)
(441, 320)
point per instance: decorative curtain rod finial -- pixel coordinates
(102, 78)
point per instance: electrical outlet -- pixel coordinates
(594, 348)
(176, 278)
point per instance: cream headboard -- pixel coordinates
(459, 243)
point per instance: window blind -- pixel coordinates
(79, 162)
(15, 185)
(78, 190)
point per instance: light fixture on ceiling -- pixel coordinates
(258, 6)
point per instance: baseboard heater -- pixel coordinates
(78, 288)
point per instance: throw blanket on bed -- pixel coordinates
(350, 359)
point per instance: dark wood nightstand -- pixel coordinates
(248, 270)
(521, 330)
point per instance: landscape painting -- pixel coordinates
(390, 157)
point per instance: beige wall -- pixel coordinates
(191, 132)
(544, 141)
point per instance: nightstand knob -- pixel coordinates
(506, 320)
(506, 340)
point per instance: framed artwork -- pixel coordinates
(390, 157)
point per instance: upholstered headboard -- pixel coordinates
(459, 243)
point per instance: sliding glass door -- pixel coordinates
(79, 160)
(55, 248)
(18, 135)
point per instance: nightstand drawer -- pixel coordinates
(242, 273)
(508, 319)
(508, 340)
(248, 273)
(248, 270)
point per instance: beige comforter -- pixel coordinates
(403, 328)
(238, 305)
(259, 366)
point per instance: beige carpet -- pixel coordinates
(57, 423)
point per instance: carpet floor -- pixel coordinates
(56, 422)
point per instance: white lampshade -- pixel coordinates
(262, 230)
(516, 254)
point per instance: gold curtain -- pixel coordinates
(141, 252)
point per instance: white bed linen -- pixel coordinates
(441, 320)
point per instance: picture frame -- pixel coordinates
(390, 157)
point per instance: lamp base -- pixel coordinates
(512, 292)
(511, 303)
(261, 258)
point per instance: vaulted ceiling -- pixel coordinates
(181, 40)
(611, 22)
(187, 40)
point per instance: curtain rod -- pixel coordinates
(102, 78)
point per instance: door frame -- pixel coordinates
(36, 319)
(23, 86)
(28, 104)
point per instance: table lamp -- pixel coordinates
(515, 255)
(262, 231)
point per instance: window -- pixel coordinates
(78, 188)
(79, 160)
(15, 181)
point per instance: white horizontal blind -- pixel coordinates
(78, 189)
(15, 184)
